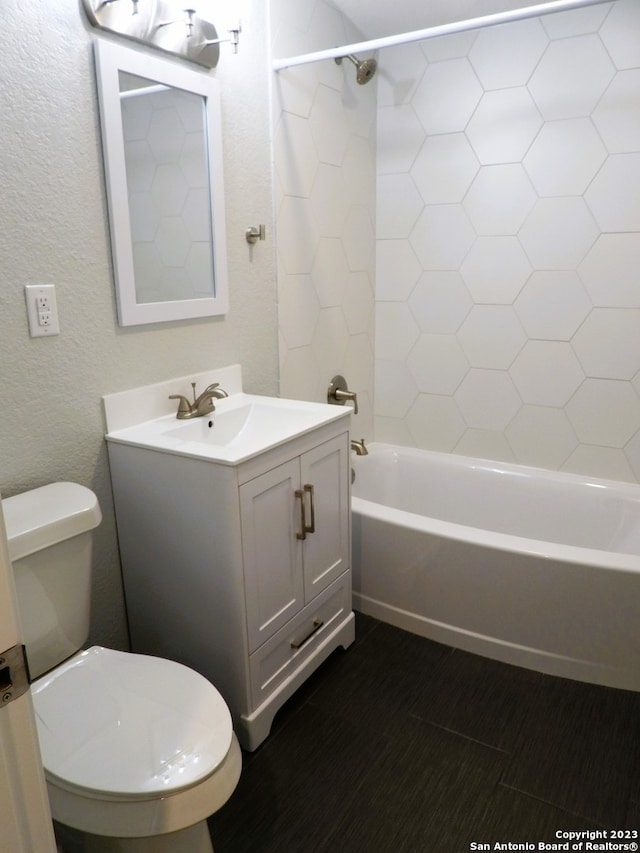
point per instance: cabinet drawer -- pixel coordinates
(281, 655)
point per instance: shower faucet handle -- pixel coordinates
(255, 233)
(338, 393)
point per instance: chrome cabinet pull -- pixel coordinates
(311, 528)
(298, 644)
(302, 533)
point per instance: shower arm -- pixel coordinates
(432, 32)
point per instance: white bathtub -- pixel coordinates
(531, 567)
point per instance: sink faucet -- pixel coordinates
(202, 405)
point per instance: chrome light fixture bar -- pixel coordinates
(167, 25)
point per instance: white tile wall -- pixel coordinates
(498, 272)
(324, 156)
(508, 258)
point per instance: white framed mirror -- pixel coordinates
(162, 145)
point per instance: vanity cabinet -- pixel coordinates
(298, 509)
(239, 571)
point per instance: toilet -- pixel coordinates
(138, 751)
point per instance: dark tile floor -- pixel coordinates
(402, 744)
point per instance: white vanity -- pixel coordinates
(234, 533)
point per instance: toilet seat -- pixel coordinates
(140, 818)
(120, 726)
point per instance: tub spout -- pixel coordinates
(359, 447)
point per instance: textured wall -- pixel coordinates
(53, 228)
(508, 225)
(325, 200)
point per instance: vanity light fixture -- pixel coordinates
(186, 21)
(234, 38)
(152, 22)
(134, 3)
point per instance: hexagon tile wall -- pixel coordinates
(508, 277)
(507, 234)
(325, 178)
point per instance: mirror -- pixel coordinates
(162, 143)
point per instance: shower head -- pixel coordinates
(365, 68)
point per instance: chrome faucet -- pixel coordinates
(202, 405)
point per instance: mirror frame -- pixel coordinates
(110, 59)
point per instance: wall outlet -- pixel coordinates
(42, 310)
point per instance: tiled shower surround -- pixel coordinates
(507, 275)
(325, 179)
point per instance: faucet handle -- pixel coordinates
(219, 394)
(338, 393)
(184, 407)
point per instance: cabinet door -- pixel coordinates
(325, 478)
(270, 517)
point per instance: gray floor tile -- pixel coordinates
(401, 745)
(479, 698)
(580, 749)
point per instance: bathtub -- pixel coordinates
(531, 567)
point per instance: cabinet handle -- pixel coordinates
(302, 533)
(298, 644)
(311, 528)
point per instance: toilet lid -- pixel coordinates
(128, 724)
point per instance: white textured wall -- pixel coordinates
(53, 228)
(325, 201)
(508, 225)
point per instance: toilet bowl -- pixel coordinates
(138, 751)
(134, 746)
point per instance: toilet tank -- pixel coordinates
(49, 530)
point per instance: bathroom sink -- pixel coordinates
(242, 426)
(253, 423)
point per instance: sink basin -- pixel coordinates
(254, 423)
(242, 426)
